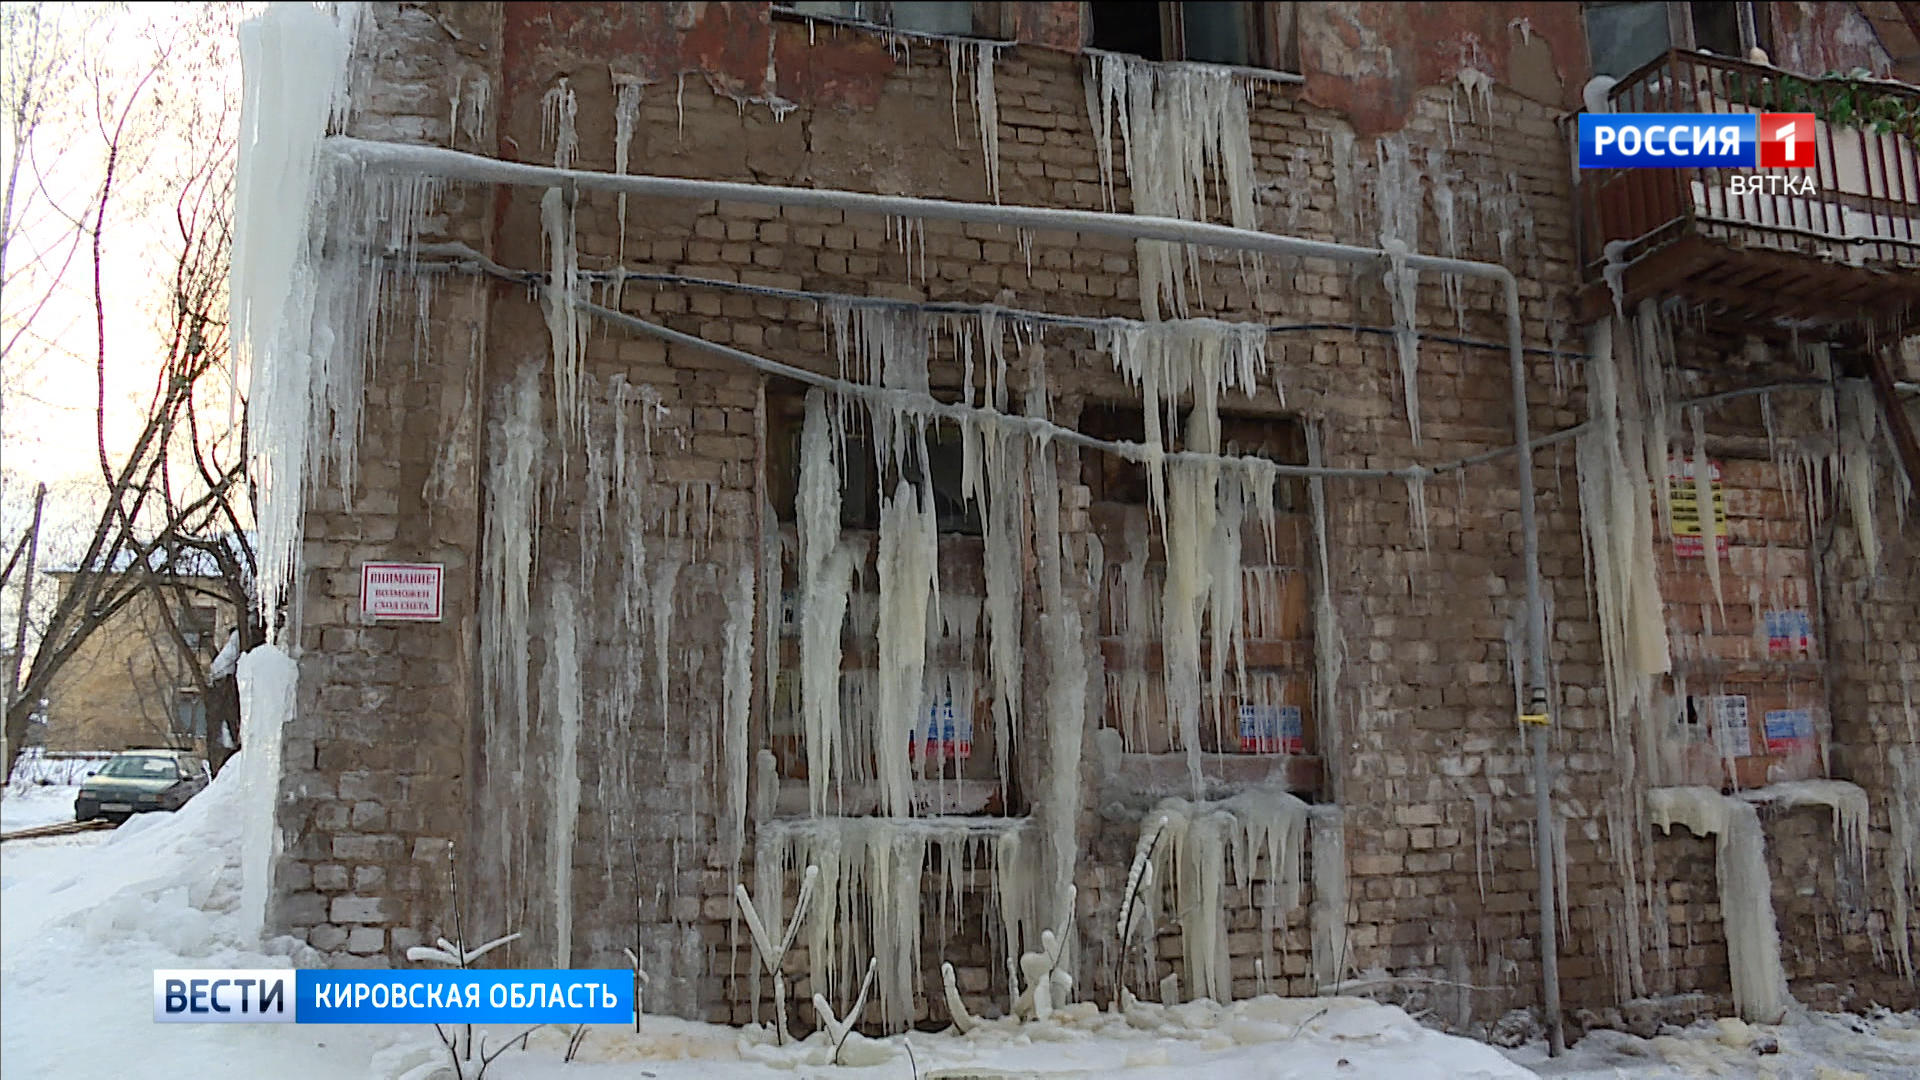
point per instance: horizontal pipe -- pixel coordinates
(394, 158)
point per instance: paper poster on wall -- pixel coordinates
(1789, 633)
(1789, 731)
(1731, 735)
(944, 732)
(1683, 505)
(1271, 729)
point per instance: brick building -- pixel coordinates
(702, 628)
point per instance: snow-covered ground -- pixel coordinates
(85, 919)
(25, 806)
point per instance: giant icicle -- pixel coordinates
(826, 571)
(563, 676)
(737, 699)
(305, 284)
(973, 61)
(1615, 494)
(566, 326)
(1903, 853)
(909, 595)
(517, 448)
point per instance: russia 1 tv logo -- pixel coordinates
(1786, 141)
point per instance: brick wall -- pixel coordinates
(392, 759)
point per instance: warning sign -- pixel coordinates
(1683, 503)
(409, 591)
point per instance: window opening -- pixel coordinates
(1128, 28)
(1205, 31)
(942, 17)
(1716, 29)
(1268, 714)
(1623, 36)
(1749, 674)
(956, 763)
(1217, 32)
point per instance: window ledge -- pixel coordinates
(938, 798)
(1237, 70)
(868, 26)
(1223, 774)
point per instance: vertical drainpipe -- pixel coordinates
(1534, 715)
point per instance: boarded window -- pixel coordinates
(1749, 671)
(1268, 713)
(957, 766)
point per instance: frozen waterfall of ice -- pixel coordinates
(294, 61)
(1746, 891)
(1198, 848)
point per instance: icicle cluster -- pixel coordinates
(1185, 131)
(869, 898)
(972, 62)
(1620, 458)
(1196, 849)
(306, 285)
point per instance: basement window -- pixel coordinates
(1252, 35)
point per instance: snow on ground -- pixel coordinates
(25, 806)
(1811, 1045)
(85, 919)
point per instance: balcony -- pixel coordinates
(1844, 258)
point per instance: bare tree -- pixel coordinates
(174, 522)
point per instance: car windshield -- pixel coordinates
(142, 768)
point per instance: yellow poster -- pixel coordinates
(1683, 505)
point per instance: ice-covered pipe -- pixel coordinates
(459, 165)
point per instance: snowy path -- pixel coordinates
(85, 919)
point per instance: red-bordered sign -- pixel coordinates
(409, 591)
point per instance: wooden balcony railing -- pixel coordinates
(1862, 215)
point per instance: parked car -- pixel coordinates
(137, 780)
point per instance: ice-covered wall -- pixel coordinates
(606, 789)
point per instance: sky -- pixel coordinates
(178, 68)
